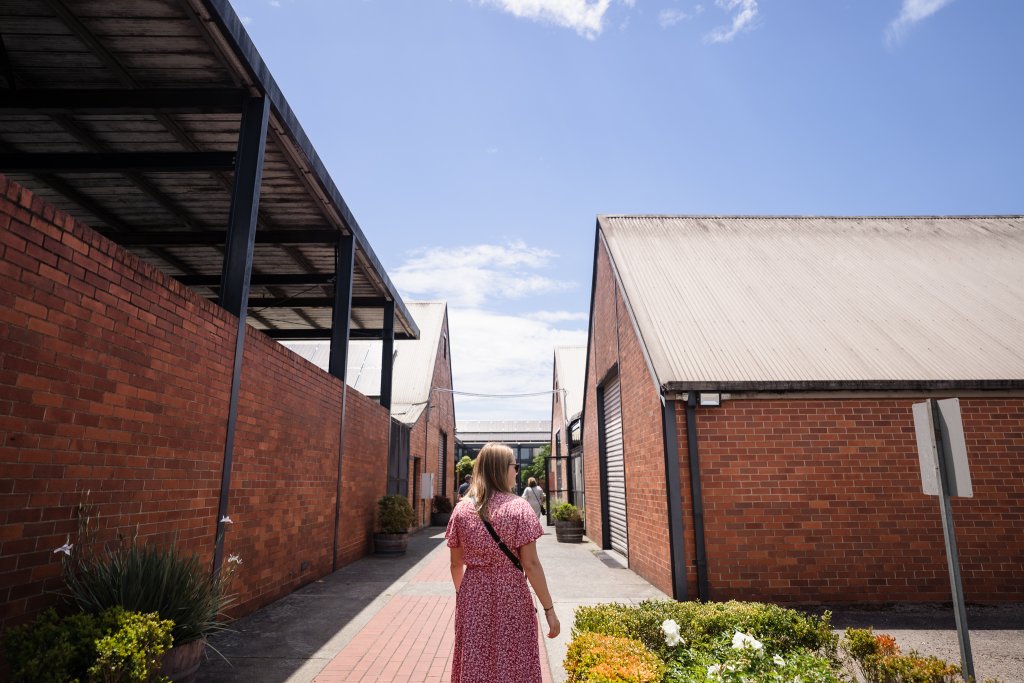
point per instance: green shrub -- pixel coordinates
(566, 512)
(394, 514)
(737, 666)
(113, 647)
(146, 579)
(596, 658)
(709, 627)
(880, 660)
(440, 505)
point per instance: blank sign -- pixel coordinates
(954, 448)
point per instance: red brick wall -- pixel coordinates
(613, 340)
(425, 436)
(114, 379)
(820, 501)
(364, 476)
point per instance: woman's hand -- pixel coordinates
(554, 627)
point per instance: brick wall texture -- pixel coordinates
(114, 388)
(807, 500)
(426, 435)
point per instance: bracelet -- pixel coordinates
(548, 609)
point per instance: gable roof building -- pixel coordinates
(749, 392)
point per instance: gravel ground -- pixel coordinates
(997, 633)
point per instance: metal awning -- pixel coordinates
(127, 113)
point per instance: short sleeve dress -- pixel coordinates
(495, 620)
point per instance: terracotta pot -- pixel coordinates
(181, 662)
(568, 532)
(390, 544)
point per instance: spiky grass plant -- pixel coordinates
(144, 578)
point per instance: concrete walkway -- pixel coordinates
(392, 619)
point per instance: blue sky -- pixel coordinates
(477, 140)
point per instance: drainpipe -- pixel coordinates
(676, 540)
(695, 495)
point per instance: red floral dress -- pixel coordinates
(495, 620)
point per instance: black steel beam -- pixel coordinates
(268, 280)
(325, 334)
(219, 237)
(387, 355)
(313, 302)
(697, 498)
(342, 314)
(125, 101)
(234, 291)
(88, 162)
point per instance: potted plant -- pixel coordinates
(568, 523)
(147, 579)
(394, 517)
(440, 511)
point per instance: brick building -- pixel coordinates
(748, 397)
(565, 481)
(422, 407)
(160, 230)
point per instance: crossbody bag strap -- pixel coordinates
(504, 548)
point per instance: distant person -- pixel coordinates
(534, 495)
(492, 536)
(464, 486)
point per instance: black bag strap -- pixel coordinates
(497, 539)
(504, 548)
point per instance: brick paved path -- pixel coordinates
(411, 638)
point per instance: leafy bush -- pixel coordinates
(709, 627)
(114, 646)
(463, 467)
(738, 666)
(394, 514)
(566, 512)
(596, 658)
(880, 660)
(146, 579)
(440, 505)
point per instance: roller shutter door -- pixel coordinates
(616, 483)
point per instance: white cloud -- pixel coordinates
(912, 12)
(495, 353)
(473, 275)
(671, 17)
(742, 20)
(586, 17)
(275, 3)
(246, 20)
(558, 316)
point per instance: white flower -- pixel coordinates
(671, 631)
(779, 661)
(226, 520)
(714, 669)
(66, 548)
(234, 559)
(743, 640)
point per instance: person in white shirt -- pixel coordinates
(534, 495)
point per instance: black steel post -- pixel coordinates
(673, 485)
(695, 494)
(245, 200)
(387, 355)
(341, 317)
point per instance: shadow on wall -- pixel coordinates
(277, 642)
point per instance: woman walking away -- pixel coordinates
(534, 495)
(495, 620)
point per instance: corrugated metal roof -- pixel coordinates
(570, 368)
(414, 362)
(825, 302)
(505, 431)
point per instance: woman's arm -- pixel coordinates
(457, 567)
(535, 573)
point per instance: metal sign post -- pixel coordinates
(942, 450)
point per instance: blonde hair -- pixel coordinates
(531, 482)
(490, 474)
